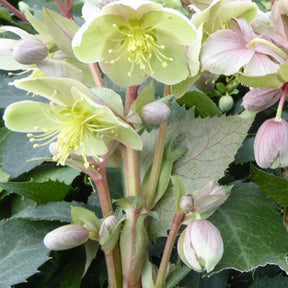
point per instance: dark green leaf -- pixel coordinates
(252, 230)
(246, 152)
(275, 187)
(21, 249)
(279, 281)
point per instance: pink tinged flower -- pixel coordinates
(228, 51)
(271, 144)
(259, 99)
(200, 246)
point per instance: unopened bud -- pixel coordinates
(226, 103)
(66, 237)
(30, 51)
(155, 113)
(200, 246)
(53, 148)
(107, 227)
(186, 203)
(271, 142)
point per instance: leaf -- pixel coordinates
(202, 103)
(54, 211)
(211, 143)
(279, 281)
(246, 152)
(252, 230)
(21, 249)
(39, 192)
(18, 154)
(274, 187)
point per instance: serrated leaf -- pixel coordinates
(21, 249)
(18, 154)
(269, 80)
(202, 103)
(54, 211)
(252, 230)
(79, 214)
(211, 143)
(5, 134)
(274, 187)
(39, 192)
(246, 152)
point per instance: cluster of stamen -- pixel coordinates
(72, 128)
(141, 45)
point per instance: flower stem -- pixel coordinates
(157, 161)
(113, 260)
(281, 103)
(67, 9)
(269, 44)
(131, 95)
(14, 10)
(95, 71)
(176, 223)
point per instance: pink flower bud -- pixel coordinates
(155, 113)
(186, 203)
(200, 246)
(210, 198)
(259, 99)
(107, 227)
(66, 237)
(271, 144)
(30, 51)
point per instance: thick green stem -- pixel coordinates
(161, 277)
(157, 162)
(130, 156)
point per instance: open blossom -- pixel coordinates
(271, 142)
(228, 51)
(73, 119)
(136, 39)
(200, 246)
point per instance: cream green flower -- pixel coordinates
(73, 119)
(136, 39)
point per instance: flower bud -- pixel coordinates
(271, 142)
(200, 246)
(155, 113)
(259, 99)
(30, 51)
(66, 237)
(226, 103)
(186, 203)
(210, 198)
(53, 148)
(107, 227)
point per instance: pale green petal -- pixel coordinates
(110, 98)
(172, 25)
(25, 116)
(94, 146)
(118, 72)
(129, 137)
(57, 90)
(93, 41)
(176, 70)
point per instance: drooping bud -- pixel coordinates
(259, 99)
(271, 142)
(226, 103)
(210, 198)
(155, 113)
(200, 246)
(186, 203)
(66, 237)
(30, 51)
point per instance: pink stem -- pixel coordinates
(14, 10)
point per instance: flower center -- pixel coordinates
(141, 45)
(73, 131)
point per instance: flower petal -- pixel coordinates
(224, 52)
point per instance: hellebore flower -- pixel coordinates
(136, 39)
(73, 119)
(228, 51)
(200, 246)
(66, 237)
(271, 142)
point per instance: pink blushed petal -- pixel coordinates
(244, 29)
(225, 52)
(261, 98)
(260, 64)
